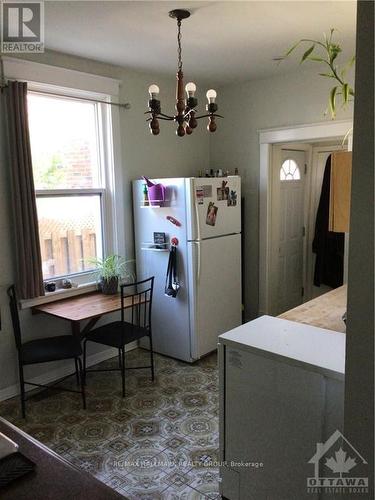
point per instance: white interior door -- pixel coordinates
(288, 213)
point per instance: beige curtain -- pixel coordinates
(29, 279)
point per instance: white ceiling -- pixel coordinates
(222, 41)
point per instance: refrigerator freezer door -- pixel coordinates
(214, 291)
(170, 316)
(213, 206)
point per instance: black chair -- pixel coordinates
(44, 350)
(138, 304)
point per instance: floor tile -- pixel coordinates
(159, 442)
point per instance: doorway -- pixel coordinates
(297, 174)
(301, 134)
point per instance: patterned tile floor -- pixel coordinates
(159, 442)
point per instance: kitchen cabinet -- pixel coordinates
(340, 192)
(281, 392)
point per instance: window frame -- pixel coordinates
(289, 176)
(104, 132)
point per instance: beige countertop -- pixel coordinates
(325, 311)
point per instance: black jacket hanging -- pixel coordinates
(171, 281)
(327, 245)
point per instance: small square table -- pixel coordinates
(90, 306)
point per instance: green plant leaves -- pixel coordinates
(307, 53)
(345, 93)
(111, 266)
(326, 52)
(332, 101)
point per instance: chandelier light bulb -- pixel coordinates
(211, 95)
(190, 89)
(153, 90)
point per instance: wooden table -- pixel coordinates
(91, 306)
(325, 311)
(54, 478)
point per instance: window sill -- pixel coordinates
(58, 295)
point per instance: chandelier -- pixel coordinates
(185, 115)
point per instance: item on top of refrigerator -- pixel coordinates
(156, 192)
(145, 195)
(236, 171)
(172, 284)
(159, 240)
(173, 220)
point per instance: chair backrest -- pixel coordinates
(137, 299)
(13, 305)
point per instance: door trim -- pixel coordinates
(299, 133)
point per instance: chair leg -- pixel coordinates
(152, 359)
(78, 361)
(84, 362)
(22, 390)
(123, 370)
(119, 358)
(77, 371)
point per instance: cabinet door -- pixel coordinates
(340, 191)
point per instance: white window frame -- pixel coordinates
(105, 191)
(72, 83)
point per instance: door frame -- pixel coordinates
(315, 132)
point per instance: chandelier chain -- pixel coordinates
(179, 51)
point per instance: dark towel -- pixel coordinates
(328, 246)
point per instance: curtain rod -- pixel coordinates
(125, 105)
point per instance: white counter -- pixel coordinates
(323, 350)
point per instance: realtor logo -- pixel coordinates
(22, 27)
(333, 463)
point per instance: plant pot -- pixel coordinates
(109, 286)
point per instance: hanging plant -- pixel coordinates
(325, 53)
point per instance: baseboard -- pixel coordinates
(63, 371)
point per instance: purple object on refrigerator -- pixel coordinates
(156, 192)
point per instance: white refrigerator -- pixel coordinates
(204, 214)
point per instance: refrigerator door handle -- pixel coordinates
(197, 223)
(198, 276)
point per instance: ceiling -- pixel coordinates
(223, 42)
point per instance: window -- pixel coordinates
(289, 171)
(66, 147)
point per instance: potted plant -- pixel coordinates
(109, 271)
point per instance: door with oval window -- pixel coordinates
(288, 215)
